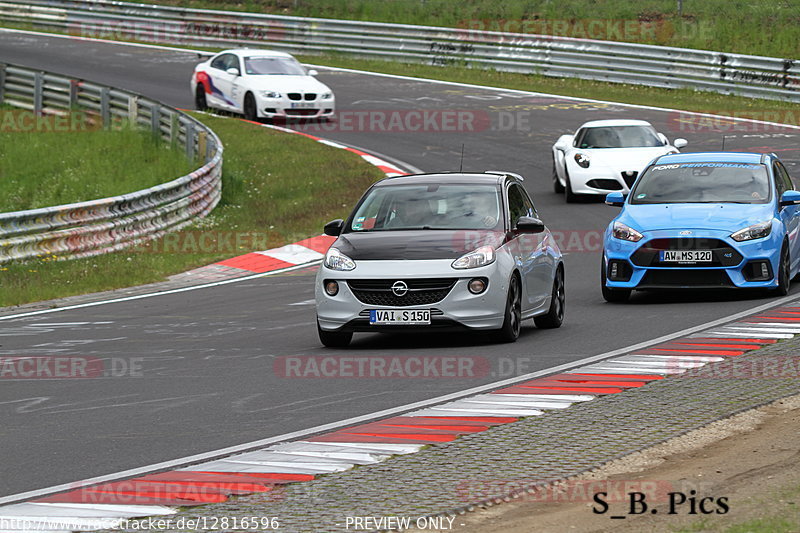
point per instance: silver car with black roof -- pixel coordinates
(445, 251)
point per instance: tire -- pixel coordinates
(557, 187)
(555, 315)
(512, 322)
(784, 274)
(250, 112)
(200, 102)
(609, 294)
(569, 196)
(334, 339)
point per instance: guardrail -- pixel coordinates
(109, 224)
(659, 66)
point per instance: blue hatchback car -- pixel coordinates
(704, 220)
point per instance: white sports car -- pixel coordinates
(261, 84)
(605, 156)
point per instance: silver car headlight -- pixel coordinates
(270, 94)
(756, 231)
(625, 233)
(336, 260)
(482, 256)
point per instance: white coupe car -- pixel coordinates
(605, 156)
(261, 84)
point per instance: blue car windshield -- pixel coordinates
(741, 183)
(415, 207)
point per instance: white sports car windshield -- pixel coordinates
(266, 66)
(619, 137)
(415, 207)
(741, 183)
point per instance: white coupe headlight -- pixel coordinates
(477, 258)
(582, 159)
(336, 260)
(327, 96)
(270, 94)
(625, 233)
(756, 231)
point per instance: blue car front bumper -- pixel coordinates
(639, 265)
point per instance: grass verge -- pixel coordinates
(762, 27)
(277, 188)
(90, 164)
(687, 99)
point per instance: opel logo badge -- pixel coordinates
(399, 288)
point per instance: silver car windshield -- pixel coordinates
(414, 207)
(741, 183)
(265, 66)
(619, 137)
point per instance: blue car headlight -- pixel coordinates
(625, 233)
(756, 231)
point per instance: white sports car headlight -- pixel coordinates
(336, 260)
(477, 258)
(582, 159)
(270, 94)
(756, 231)
(625, 233)
(327, 96)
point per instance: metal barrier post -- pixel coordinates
(2, 82)
(37, 93)
(105, 108)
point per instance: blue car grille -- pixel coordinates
(664, 279)
(722, 254)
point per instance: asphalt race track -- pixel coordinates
(196, 370)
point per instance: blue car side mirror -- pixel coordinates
(616, 199)
(790, 198)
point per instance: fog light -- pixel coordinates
(332, 288)
(614, 269)
(764, 270)
(477, 285)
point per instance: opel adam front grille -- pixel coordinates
(722, 254)
(420, 291)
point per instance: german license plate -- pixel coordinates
(686, 256)
(399, 317)
(303, 105)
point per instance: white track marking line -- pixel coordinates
(734, 334)
(161, 293)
